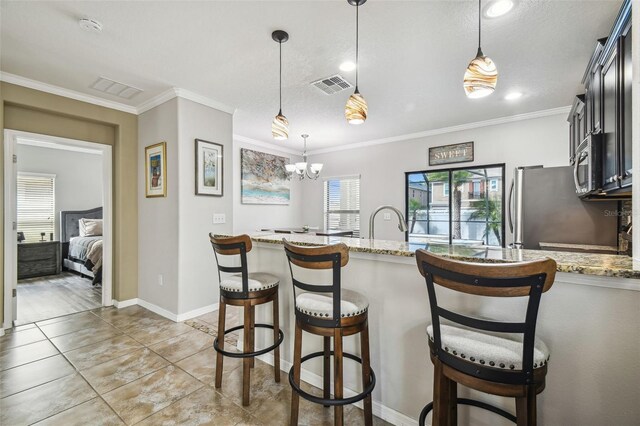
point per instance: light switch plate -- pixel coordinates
(219, 218)
(387, 216)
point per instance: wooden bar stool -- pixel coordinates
(247, 290)
(341, 313)
(468, 355)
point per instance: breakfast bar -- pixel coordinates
(588, 319)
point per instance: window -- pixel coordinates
(469, 209)
(342, 204)
(36, 205)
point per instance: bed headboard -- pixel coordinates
(69, 227)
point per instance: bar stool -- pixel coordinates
(497, 365)
(247, 290)
(342, 313)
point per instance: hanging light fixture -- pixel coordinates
(482, 75)
(280, 125)
(300, 169)
(356, 109)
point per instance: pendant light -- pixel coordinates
(280, 125)
(482, 75)
(356, 109)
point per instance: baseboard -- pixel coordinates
(124, 303)
(158, 310)
(197, 312)
(385, 413)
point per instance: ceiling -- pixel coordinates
(412, 57)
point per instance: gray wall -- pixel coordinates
(78, 176)
(382, 167)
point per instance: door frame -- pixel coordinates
(11, 140)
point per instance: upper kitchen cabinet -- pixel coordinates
(592, 81)
(577, 125)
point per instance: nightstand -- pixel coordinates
(38, 259)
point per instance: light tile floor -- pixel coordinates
(130, 366)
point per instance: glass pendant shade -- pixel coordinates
(356, 109)
(280, 127)
(290, 168)
(481, 77)
(316, 168)
(301, 167)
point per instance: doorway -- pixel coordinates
(52, 187)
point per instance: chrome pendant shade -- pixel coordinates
(280, 124)
(481, 75)
(356, 109)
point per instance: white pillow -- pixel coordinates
(90, 227)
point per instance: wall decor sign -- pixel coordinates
(264, 178)
(155, 166)
(449, 154)
(209, 161)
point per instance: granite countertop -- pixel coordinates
(606, 265)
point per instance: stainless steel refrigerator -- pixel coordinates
(543, 207)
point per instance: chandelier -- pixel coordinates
(300, 169)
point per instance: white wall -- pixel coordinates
(158, 217)
(382, 167)
(78, 176)
(198, 277)
(249, 218)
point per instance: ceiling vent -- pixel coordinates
(333, 84)
(115, 88)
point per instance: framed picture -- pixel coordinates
(451, 154)
(264, 178)
(155, 166)
(209, 162)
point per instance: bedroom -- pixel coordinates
(59, 196)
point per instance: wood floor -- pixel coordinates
(55, 295)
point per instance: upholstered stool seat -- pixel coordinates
(352, 303)
(487, 349)
(257, 281)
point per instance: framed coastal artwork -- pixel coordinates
(208, 168)
(264, 178)
(155, 166)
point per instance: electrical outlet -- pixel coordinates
(387, 216)
(219, 218)
(160, 280)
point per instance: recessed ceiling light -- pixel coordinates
(90, 25)
(347, 66)
(513, 96)
(498, 8)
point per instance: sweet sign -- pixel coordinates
(449, 154)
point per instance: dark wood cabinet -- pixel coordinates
(609, 122)
(38, 259)
(626, 143)
(577, 125)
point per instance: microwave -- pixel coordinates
(587, 169)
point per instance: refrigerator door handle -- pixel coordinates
(509, 202)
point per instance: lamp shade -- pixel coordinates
(316, 167)
(301, 167)
(290, 168)
(280, 127)
(356, 109)
(481, 77)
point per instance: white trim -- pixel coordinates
(467, 126)
(67, 93)
(197, 312)
(158, 310)
(124, 303)
(156, 100)
(50, 145)
(379, 410)
(266, 145)
(203, 100)
(342, 177)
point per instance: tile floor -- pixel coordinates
(130, 366)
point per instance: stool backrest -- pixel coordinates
(525, 279)
(332, 257)
(230, 246)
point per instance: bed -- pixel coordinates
(81, 254)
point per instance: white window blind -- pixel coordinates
(36, 205)
(342, 204)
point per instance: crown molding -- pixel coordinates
(266, 145)
(467, 126)
(56, 90)
(203, 100)
(163, 97)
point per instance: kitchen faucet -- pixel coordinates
(402, 225)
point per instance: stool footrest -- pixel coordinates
(332, 401)
(248, 354)
(466, 401)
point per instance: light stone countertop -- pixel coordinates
(606, 265)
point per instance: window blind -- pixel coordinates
(36, 205)
(342, 204)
